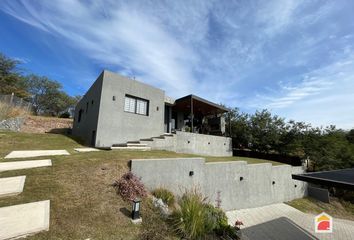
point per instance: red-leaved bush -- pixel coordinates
(130, 187)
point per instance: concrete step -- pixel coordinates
(159, 137)
(133, 142)
(132, 148)
(147, 139)
(167, 135)
(130, 145)
(136, 145)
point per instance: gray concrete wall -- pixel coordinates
(199, 144)
(12, 124)
(202, 144)
(168, 144)
(89, 118)
(255, 189)
(117, 126)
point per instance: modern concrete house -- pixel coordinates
(118, 112)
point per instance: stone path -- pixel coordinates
(342, 229)
(86, 149)
(6, 166)
(36, 153)
(11, 186)
(24, 219)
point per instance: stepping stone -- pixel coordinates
(86, 149)
(36, 153)
(11, 186)
(24, 219)
(7, 166)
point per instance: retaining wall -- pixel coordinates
(255, 189)
(12, 124)
(193, 143)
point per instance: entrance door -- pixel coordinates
(93, 138)
(167, 119)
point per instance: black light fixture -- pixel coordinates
(241, 178)
(273, 182)
(191, 173)
(136, 209)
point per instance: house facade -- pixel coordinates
(118, 110)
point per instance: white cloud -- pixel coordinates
(127, 38)
(294, 57)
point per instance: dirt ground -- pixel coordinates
(39, 124)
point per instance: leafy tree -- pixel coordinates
(291, 140)
(350, 136)
(11, 80)
(239, 127)
(47, 97)
(266, 131)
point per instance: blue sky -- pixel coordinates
(293, 57)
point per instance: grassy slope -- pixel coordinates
(336, 208)
(83, 203)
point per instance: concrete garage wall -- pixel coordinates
(117, 126)
(255, 189)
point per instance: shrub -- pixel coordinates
(65, 115)
(166, 196)
(197, 219)
(216, 218)
(130, 187)
(190, 219)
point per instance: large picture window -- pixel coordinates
(136, 105)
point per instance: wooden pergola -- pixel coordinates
(197, 106)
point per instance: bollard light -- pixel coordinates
(136, 209)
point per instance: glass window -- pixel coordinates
(136, 105)
(129, 105)
(141, 107)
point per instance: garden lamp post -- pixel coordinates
(136, 209)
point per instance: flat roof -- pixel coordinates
(199, 105)
(343, 178)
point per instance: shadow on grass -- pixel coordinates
(67, 132)
(125, 211)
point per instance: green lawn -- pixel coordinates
(248, 160)
(83, 202)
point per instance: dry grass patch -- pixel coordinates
(8, 111)
(83, 202)
(248, 160)
(337, 208)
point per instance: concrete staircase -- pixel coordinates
(146, 144)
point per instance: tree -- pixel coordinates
(11, 80)
(291, 140)
(239, 127)
(47, 97)
(266, 131)
(350, 136)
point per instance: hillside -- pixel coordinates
(39, 124)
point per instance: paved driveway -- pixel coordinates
(279, 221)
